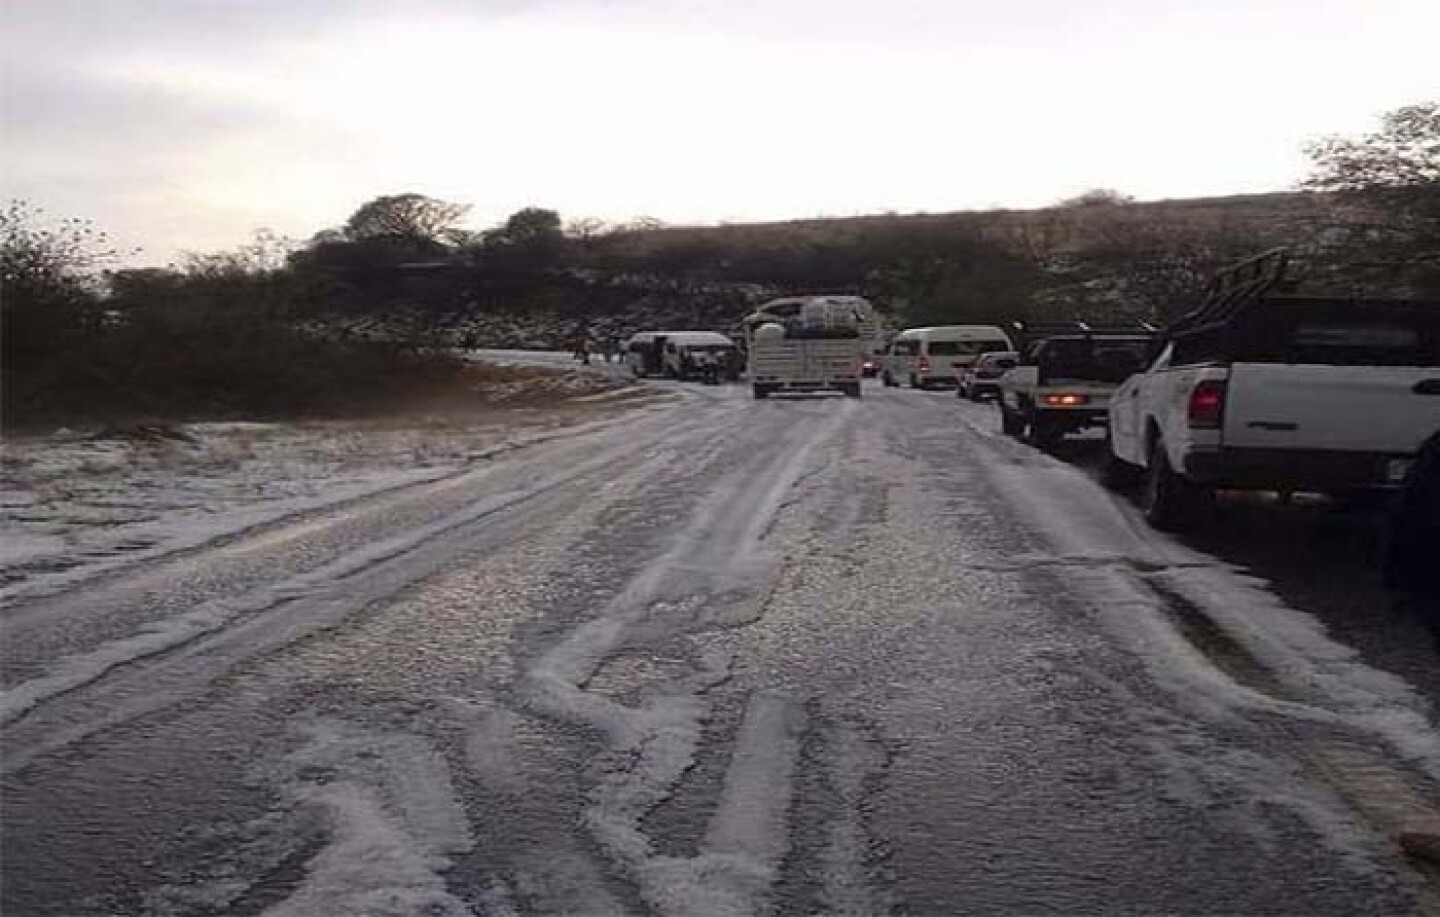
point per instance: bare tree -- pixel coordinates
(586, 229)
(1401, 159)
(1387, 189)
(413, 217)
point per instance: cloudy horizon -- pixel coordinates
(185, 126)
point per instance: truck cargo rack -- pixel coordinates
(1233, 288)
(1033, 332)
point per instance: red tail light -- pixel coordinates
(924, 366)
(1065, 400)
(1207, 404)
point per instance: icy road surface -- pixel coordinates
(793, 657)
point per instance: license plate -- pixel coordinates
(1398, 470)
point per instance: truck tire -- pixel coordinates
(1116, 473)
(760, 391)
(915, 381)
(1042, 430)
(1011, 423)
(1409, 561)
(852, 390)
(1171, 503)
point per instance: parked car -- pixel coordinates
(1064, 381)
(1260, 389)
(981, 379)
(927, 357)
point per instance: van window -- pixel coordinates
(965, 348)
(905, 348)
(1099, 359)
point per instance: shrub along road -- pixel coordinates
(732, 657)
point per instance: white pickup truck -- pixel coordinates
(1256, 391)
(1064, 380)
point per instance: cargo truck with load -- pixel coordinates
(814, 343)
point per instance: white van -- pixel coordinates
(936, 356)
(682, 355)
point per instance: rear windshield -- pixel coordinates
(965, 348)
(1323, 332)
(1354, 343)
(1099, 360)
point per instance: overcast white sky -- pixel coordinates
(185, 124)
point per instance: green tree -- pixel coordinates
(532, 224)
(530, 240)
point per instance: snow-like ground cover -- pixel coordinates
(76, 503)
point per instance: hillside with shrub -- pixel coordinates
(364, 313)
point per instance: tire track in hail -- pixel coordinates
(154, 670)
(717, 573)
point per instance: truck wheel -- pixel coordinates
(1117, 473)
(1409, 559)
(852, 390)
(915, 381)
(1011, 423)
(1045, 432)
(1171, 503)
(760, 391)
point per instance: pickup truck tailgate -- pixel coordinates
(1340, 408)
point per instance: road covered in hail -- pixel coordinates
(727, 657)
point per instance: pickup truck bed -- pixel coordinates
(1292, 394)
